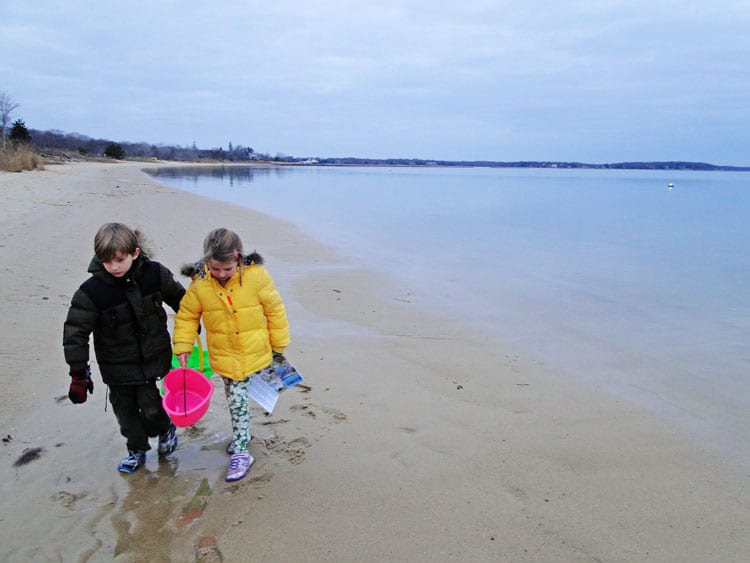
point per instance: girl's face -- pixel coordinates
(121, 263)
(222, 271)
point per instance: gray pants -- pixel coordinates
(139, 413)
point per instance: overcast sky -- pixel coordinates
(587, 81)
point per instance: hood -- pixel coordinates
(198, 269)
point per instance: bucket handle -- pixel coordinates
(184, 391)
(200, 351)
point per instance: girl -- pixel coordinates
(121, 304)
(245, 323)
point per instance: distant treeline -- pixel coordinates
(86, 146)
(669, 165)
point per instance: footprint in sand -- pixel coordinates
(66, 499)
(247, 482)
(307, 410)
(336, 414)
(293, 450)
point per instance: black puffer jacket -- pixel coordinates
(129, 323)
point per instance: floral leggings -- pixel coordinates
(238, 399)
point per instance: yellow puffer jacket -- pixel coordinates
(245, 321)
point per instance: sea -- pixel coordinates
(629, 282)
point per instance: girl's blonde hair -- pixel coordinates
(112, 238)
(223, 246)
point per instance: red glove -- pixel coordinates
(80, 385)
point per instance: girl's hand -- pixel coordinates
(183, 359)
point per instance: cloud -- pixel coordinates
(477, 79)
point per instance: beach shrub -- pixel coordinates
(114, 150)
(17, 157)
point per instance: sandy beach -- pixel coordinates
(417, 440)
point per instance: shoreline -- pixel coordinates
(403, 449)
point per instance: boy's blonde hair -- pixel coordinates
(112, 238)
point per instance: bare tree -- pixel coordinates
(7, 105)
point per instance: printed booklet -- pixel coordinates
(265, 390)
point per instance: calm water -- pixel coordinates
(609, 277)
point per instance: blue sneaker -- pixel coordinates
(168, 441)
(132, 461)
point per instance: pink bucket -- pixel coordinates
(187, 396)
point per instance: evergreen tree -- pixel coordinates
(19, 133)
(114, 150)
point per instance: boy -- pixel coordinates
(121, 304)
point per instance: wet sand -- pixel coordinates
(418, 439)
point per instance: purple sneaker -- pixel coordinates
(239, 466)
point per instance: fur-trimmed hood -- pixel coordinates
(199, 270)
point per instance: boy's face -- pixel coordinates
(120, 263)
(222, 271)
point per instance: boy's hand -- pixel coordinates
(81, 385)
